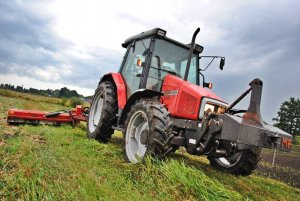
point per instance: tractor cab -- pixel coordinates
(151, 56)
(157, 63)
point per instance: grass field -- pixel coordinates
(60, 163)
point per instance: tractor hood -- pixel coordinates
(174, 82)
(202, 92)
(184, 99)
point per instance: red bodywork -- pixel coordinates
(33, 116)
(183, 98)
(121, 89)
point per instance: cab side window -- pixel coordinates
(131, 71)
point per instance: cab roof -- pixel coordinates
(158, 33)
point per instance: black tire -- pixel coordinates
(158, 137)
(245, 164)
(102, 130)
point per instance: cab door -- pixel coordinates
(131, 72)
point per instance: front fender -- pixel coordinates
(120, 85)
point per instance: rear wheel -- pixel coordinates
(240, 163)
(102, 114)
(148, 131)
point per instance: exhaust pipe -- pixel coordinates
(191, 53)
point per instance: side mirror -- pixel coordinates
(222, 63)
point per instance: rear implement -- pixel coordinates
(73, 117)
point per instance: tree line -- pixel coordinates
(288, 116)
(58, 93)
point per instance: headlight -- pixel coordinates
(211, 105)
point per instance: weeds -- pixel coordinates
(76, 101)
(31, 97)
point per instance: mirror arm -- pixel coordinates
(213, 57)
(202, 78)
(209, 63)
(144, 44)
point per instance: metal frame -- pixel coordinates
(244, 132)
(124, 60)
(148, 60)
(73, 116)
(213, 58)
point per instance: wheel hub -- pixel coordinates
(95, 112)
(136, 138)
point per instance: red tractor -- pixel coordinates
(157, 102)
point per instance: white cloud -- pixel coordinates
(48, 74)
(51, 73)
(107, 24)
(28, 82)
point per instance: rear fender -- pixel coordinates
(139, 94)
(120, 85)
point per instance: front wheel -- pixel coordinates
(241, 163)
(102, 114)
(148, 131)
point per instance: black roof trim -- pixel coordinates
(153, 32)
(142, 35)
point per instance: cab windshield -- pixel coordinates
(168, 58)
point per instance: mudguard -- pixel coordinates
(120, 85)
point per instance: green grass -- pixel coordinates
(71, 102)
(26, 96)
(60, 163)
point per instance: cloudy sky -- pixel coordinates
(51, 44)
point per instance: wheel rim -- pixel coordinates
(229, 161)
(137, 136)
(95, 112)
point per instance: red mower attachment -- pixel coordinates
(36, 117)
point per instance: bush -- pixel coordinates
(65, 102)
(76, 101)
(296, 140)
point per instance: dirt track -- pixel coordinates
(286, 169)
